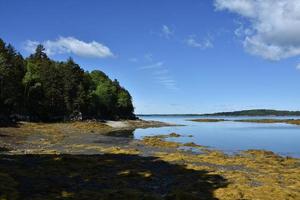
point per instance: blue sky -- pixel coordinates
(173, 56)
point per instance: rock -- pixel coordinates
(174, 135)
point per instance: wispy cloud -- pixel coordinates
(30, 45)
(152, 66)
(298, 66)
(161, 75)
(72, 45)
(242, 31)
(166, 31)
(167, 81)
(205, 43)
(161, 71)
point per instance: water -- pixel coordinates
(231, 137)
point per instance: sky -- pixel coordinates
(174, 56)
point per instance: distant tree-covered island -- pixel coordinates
(38, 88)
(256, 112)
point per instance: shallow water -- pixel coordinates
(231, 137)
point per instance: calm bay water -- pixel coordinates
(231, 137)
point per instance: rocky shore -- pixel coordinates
(102, 160)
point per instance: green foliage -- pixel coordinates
(11, 74)
(109, 98)
(257, 112)
(39, 88)
(124, 103)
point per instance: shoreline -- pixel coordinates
(139, 123)
(25, 133)
(261, 121)
(22, 137)
(65, 146)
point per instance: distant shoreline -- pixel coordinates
(261, 121)
(242, 113)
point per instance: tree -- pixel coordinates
(124, 104)
(74, 91)
(35, 99)
(11, 74)
(46, 90)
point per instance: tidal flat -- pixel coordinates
(96, 160)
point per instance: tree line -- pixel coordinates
(257, 112)
(38, 88)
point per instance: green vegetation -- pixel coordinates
(257, 112)
(40, 89)
(270, 121)
(264, 121)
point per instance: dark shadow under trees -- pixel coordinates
(109, 176)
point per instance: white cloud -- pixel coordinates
(30, 46)
(298, 66)
(166, 32)
(204, 44)
(274, 26)
(71, 45)
(242, 7)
